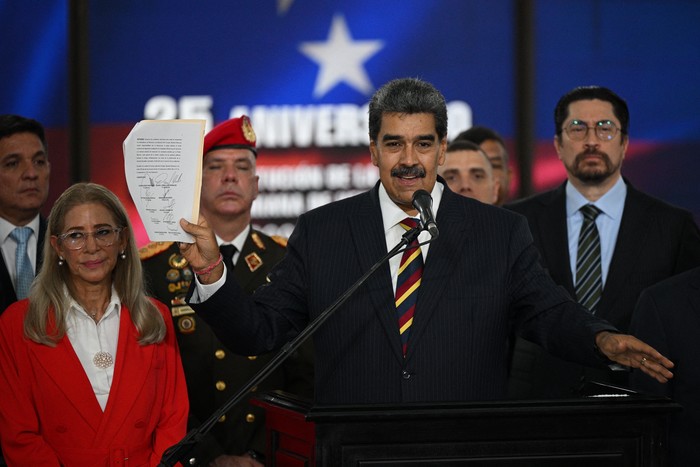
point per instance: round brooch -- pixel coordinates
(102, 360)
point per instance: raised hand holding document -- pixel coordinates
(163, 165)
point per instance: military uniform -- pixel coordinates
(213, 373)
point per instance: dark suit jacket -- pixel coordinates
(655, 241)
(7, 290)
(482, 277)
(668, 317)
(213, 373)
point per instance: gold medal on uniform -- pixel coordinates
(187, 274)
(186, 324)
(177, 261)
(178, 300)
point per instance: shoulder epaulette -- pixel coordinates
(152, 249)
(281, 241)
(257, 240)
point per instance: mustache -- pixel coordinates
(405, 171)
(591, 152)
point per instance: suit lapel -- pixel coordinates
(629, 246)
(694, 293)
(443, 256)
(63, 366)
(553, 232)
(7, 291)
(367, 232)
(133, 362)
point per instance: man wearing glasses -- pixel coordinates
(599, 237)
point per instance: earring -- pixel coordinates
(122, 255)
(61, 261)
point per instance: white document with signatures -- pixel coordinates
(163, 164)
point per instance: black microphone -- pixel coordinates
(423, 202)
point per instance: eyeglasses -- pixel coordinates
(605, 130)
(76, 239)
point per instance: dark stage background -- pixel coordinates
(305, 69)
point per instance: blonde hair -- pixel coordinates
(47, 293)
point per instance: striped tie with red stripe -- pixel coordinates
(407, 284)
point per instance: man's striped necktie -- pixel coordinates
(589, 278)
(407, 284)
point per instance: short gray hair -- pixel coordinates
(407, 96)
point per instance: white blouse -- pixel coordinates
(96, 344)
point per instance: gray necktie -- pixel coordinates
(23, 266)
(589, 278)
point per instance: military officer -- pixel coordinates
(213, 374)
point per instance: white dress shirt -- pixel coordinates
(611, 205)
(88, 338)
(392, 215)
(9, 246)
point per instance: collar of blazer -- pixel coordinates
(62, 365)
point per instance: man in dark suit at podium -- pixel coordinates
(24, 187)
(641, 240)
(475, 282)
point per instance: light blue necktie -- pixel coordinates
(25, 273)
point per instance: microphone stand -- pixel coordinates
(179, 451)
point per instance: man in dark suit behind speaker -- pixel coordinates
(668, 317)
(24, 187)
(642, 240)
(480, 279)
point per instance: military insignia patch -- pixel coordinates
(181, 310)
(186, 324)
(178, 286)
(177, 261)
(281, 241)
(178, 300)
(247, 129)
(257, 240)
(187, 274)
(253, 261)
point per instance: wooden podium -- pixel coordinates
(600, 430)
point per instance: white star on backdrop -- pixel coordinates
(341, 59)
(283, 6)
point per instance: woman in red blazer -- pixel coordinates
(90, 373)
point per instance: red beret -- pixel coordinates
(233, 133)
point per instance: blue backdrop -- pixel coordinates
(304, 69)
